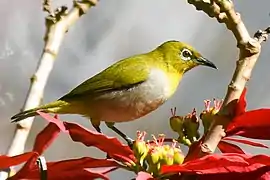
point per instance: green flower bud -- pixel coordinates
(178, 157)
(176, 123)
(140, 148)
(167, 155)
(153, 157)
(207, 116)
(191, 126)
(184, 140)
(153, 160)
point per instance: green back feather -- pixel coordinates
(119, 76)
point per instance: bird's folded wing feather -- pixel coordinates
(123, 75)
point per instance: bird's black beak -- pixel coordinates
(205, 62)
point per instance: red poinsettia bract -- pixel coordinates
(251, 124)
(84, 168)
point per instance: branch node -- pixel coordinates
(51, 52)
(47, 7)
(205, 149)
(241, 44)
(60, 12)
(92, 2)
(22, 126)
(83, 5)
(262, 35)
(225, 5)
(33, 79)
(222, 18)
(253, 46)
(246, 76)
(56, 16)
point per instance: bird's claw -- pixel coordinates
(129, 142)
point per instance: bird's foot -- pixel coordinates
(97, 128)
(129, 142)
(117, 131)
(120, 133)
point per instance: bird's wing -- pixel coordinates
(119, 76)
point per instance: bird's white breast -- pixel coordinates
(130, 104)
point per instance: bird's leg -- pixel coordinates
(120, 133)
(97, 128)
(96, 124)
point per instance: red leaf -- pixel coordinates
(244, 141)
(54, 120)
(221, 163)
(241, 105)
(24, 171)
(265, 176)
(255, 175)
(110, 145)
(226, 147)
(85, 162)
(194, 150)
(104, 170)
(6, 161)
(259, 174)
(144, 176)
(252, 124)
(76, 174)
(45, 138)
(71, 165)
(65, 175)
(42, 141)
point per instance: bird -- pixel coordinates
(128, 89)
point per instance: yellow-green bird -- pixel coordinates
(128, 89)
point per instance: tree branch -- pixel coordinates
(249, 51)
(57, 24)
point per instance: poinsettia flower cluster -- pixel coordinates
(154, 159)
(153, 155)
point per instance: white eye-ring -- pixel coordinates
(186, 54)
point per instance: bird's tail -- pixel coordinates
(53, 107)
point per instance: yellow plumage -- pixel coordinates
(130, 88)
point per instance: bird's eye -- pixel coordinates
(186, 54)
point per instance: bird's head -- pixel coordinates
(182, 56)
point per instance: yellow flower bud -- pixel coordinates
(176, 124)
(178, 157)
(191, 126)
(167, 155)
(140, 148)
(208, 114)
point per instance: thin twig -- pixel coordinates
(250, 49)
(57, 25)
